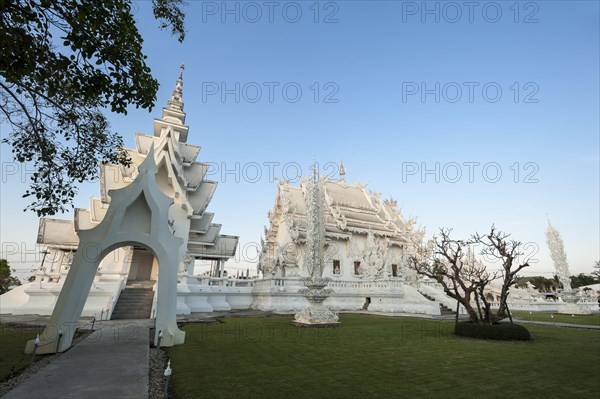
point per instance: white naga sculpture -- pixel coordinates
(316, 314)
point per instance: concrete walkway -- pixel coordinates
(110, 363)
(552, 324)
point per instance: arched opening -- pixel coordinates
(143, 267)
(137, 265)
(367, 303)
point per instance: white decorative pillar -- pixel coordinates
(316, 314)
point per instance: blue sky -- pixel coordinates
(362, 69)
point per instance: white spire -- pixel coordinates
(558, 255)
(342, 172)
(176, 100)
(315, 226)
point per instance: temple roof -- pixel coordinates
(349, 209)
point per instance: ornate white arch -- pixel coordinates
(138, 215)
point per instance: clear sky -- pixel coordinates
(467, 113)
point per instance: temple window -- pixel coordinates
(336, 267)
(394, 270)
(356, 268)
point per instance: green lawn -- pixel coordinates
(590, 320)
(12, 344)
(379, 357)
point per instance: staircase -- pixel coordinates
(135, 301)
(428, 296)
(445, 310)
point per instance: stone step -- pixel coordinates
(132, 307)
(446, 310)
(135, 300)
(136, 295)
(131, 315)
(126, 301)
(140, 284)
(427, 296)
(134, 303)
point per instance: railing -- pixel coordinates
(222, 281)
(339, 284)
(392, 283)
(97, 318)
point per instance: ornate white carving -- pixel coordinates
(315, 227)
(374, 256)
(316, 312)
(266, 260)
(559, 257)
(315, 292)
(187, 263)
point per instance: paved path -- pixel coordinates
(110, 363)
(552, 324)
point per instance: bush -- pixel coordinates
(502, 331)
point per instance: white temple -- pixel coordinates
(367, 243)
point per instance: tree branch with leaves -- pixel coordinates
(6, 279)
(62, 62)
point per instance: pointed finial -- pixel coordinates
(176, 100)
(149, 164)
(342, 172)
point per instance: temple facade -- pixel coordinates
(366, 238)
(367, 244)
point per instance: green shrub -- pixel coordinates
(502, 331)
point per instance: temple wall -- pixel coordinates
(33, 298)
(222, 294)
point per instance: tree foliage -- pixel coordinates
(62, 62)
(583, 279)
(540, 283)
(6, 279)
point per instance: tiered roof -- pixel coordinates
(349, 209)
(179, 175)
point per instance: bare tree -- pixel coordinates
(498, 246)
(460, 277)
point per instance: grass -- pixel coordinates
(12, 345)
(590, 320)
(379, 357)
